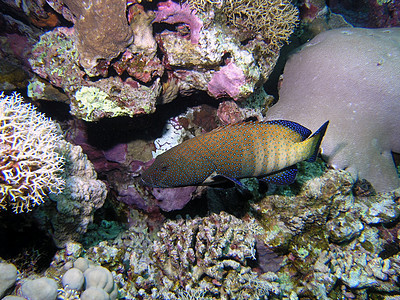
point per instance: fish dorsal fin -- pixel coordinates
(303, 131)
(296, 127)
(233, 125)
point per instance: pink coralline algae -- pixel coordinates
(173, 198)
(227, 81)
(172, 13)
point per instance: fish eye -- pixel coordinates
(164, 168)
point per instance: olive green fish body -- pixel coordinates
(249, 149)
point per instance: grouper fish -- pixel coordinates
(268, 150)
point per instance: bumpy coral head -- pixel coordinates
(29, 163)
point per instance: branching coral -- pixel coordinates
(274, 20)
(29, 164)
(212, 254)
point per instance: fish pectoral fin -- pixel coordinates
(234, 180)
(216, 178)
(212, 179)
(282, 177)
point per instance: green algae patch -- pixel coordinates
(91, 104)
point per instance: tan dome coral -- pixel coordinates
(29, 164)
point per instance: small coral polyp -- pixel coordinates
(29, 163)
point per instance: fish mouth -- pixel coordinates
(145, 182)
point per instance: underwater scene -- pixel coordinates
(199, 149)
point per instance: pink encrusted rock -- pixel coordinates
(172, 13)
(227, 81)
(116, 153)
(173, 198)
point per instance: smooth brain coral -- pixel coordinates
(351, 77)
(29, 164)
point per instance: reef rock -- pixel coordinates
(350, 77)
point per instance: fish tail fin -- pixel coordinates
(313, 142)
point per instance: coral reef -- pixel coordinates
(82, 61)
(285, 216)
(33, 12)
(55, 57)
(71, 211)
(212, 253)
(316, 17)
(355, 269)
(127, 257)
(327, 231)
(79, 278)
(326, 236)
(364, 122)
(215, 44)
(29, 162)
(316, 237)
(369, 13)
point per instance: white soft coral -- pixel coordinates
(29, 163)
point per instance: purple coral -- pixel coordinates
(172, 13)
(227, 81)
